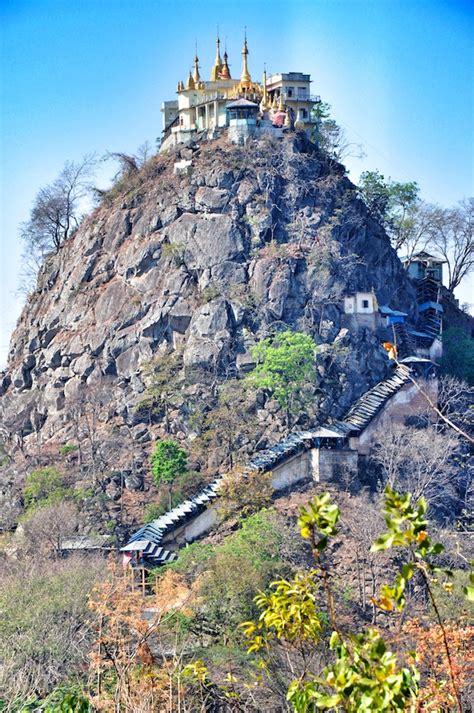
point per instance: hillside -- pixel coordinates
(198, 263)
(142, 332)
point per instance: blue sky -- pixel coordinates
(89, 75)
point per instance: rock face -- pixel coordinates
(249, 241)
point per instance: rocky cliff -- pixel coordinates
(203, 259)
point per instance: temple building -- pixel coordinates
(242, 104)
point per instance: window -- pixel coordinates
(302, 93)
(290, 92)
(304, 113)
(365, 304)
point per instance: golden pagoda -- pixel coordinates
(190, 83)
(265, 103)
(245, 78)
(225, 71)
(196, 75)
(217, 67)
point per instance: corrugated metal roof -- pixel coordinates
(152, 534)
(149, 537)
(369, 404)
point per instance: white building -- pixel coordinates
(283, 101)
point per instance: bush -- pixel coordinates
(44, 627)
(68, 448)
(246, 562)
(185, 486)
(245, 492)
(44, 486)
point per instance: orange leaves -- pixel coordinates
(436, 690)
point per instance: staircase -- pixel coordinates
(427, 290)
(404, 341)
(427, 296)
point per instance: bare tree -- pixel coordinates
(54, 217)
(55, 212)
(454, 240)
(365, 523)
(417, 460)
(333, 139)
(413, 231)
(47, 527)
(129, 164)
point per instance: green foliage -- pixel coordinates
(364, 678)
(384, 199)
(175, 251)
(469, 588)
(364, 675)
(319, 516)
(458, 355)
(44, 486)
(67, 699)
(288, 613)
(245, 492)
(284, 364)
(68, 448)
(193, 559)
(209, 293)
(406, 528)
(246, 562)
(392, 204)
(168, 461)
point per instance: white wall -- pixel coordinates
(292, 471)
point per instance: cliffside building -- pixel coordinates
(282, 101)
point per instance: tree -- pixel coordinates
(458, 355)
(55, 216)
(331, 137)
(228, 425)
(45, 528)
(44, 626)
(453, 238)
(44, 486)
(168, 461)
(162, 375)
(418, 460)
(392, 204)
(284, 365)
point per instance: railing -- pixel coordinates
(306, 98)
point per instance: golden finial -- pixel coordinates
(281, 105)
(225, 71)
(245, 77)
(190, 83)
(264, 104)
(196, 75)
(216, 70)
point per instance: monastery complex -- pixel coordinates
(282, 101)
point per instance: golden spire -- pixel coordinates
(281, 106)
(264, 104)
(225, 71)
(196, 75)
(245, 77)
(216, 70)
(190, 83)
